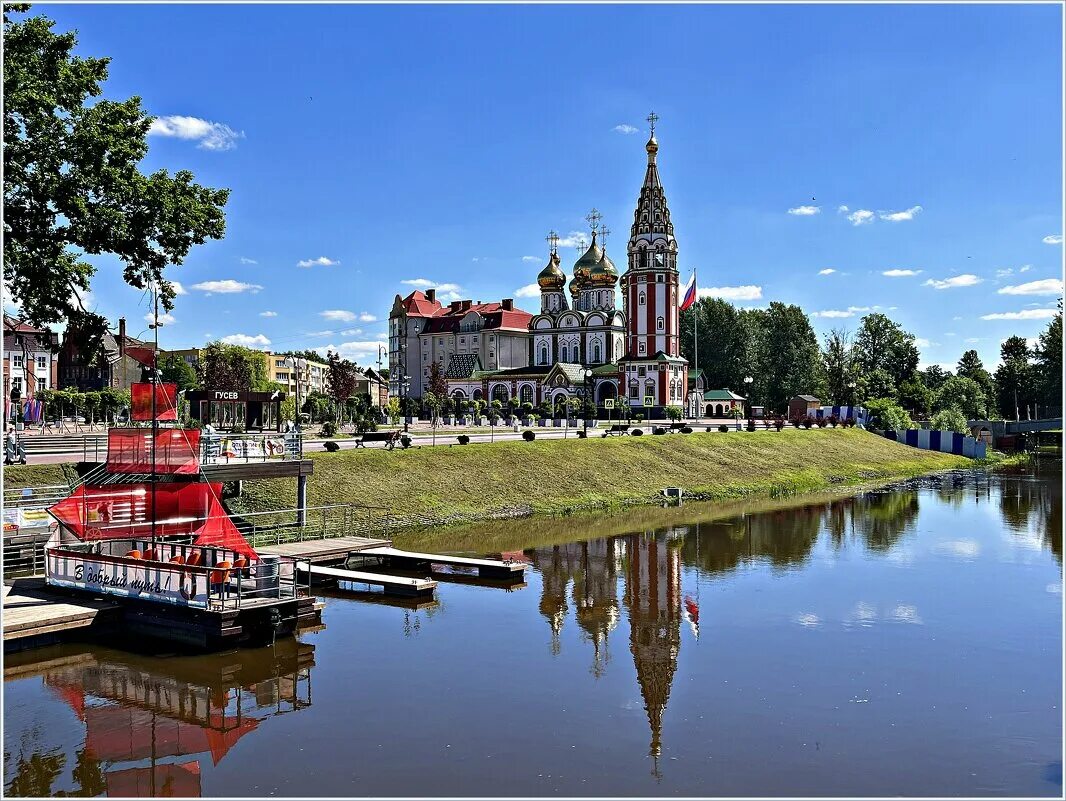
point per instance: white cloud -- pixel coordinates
(748, 292)
(247, 341)
(922, 342)
(1045, 286)
(842, 209)
(804, 211)
(1052, 239)
(164, 319)
(826, 271)
(900, 273)
(365, 349)
(268, 314)
(1004, 273)
(574, 239)
(178, 288)
(966, 279)
(900, 216)
(209, 135)
(626, 129)
(246, 260)
(338, 314)
(226, 286)
(863, 308)
(527, 291)
(1027, 314)
(972, 340)
(861, 217)
(534, 259)
(367, 317)
(833, 313)
(321, 261)
(422, 282)
(1026, 268)
(425, 283)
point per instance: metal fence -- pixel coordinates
(223, 448)
(319, 522)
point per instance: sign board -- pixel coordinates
(155, 583)
(236, 448)
(649, 400)
(26, 517)
(609, 403)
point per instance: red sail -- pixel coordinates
(177, 450)
(166, 401)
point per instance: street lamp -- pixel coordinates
(295, 361)
(586, 376)
(405, 385)
(747, 389)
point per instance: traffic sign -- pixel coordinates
(608, 403)
(649, 400)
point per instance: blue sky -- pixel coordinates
(442, 143)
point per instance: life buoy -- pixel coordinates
(187, 585)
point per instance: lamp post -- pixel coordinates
(405, 386)
(747, 389)
(295, 361)
(586, 375)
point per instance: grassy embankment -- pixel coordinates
(433, 486)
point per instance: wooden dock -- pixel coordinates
(35, 615)
(333, 549)
(486, 568)
(394, 585)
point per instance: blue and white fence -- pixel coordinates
(856, 413)
(943, 441)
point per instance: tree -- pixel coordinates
(963, 394)
(878, 383)
(842, 372)
(970, 366)
(950, 419)
(934, 375)
(437, 383)
(784, 357)
(914, 394)
(724, 340)
(1014, 377)
(888, 414)
(883, 344)
(342, 378)
(175, 370)
(232, 367)
(1048, 362)
(72, 186)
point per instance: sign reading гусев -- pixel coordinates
(172, 585)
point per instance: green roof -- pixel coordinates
(721, 394)
(605, 369)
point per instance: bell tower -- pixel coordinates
(653, 367)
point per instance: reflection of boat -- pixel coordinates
(138, 708)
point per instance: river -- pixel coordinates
(903, 641)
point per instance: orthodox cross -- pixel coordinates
(604, 231)
(553, 240)
(652, 119)
(581, 243)
(593, 218)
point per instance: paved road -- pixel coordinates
(421, 438)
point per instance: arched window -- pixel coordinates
(564, 352)
(499, 393)
(526, 393)
(640, 299)
(543, 354)
(596, 353)
(660, 324)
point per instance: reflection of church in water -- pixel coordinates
(650, 565)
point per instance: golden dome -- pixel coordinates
(653, 146)
(583, 266)
(604, 273)
(551, 277)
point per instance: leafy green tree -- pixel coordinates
(1048, 362)
(950, 419)
(963, 394)
(934, 375)
(342, 379)
(878, 383)
(175, 370)
(842, 371)
(887, 414)
(724, 341)
(914, 394)
(882, 344)
(674, 413)
(1015, 384)
(784, 359)
(970, 366)
(72, 185)
(232, 367)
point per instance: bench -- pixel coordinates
(621, 430)
(390, 438)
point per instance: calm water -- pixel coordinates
(906, 641)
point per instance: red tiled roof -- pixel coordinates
(494, 313)
(418, 305)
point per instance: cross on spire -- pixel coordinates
(604, 231)
(593, 218)
(553, 240)
(652, 119)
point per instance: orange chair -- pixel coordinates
(240, 563)
(218, 575)
(134, 555)
(178, 559)
(151, 556)
(195, 559)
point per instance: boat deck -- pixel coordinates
(32, 611)
(326, 550)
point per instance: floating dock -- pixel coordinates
(393, 585)
(411, 560)
(34, 615)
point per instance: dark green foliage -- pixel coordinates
(232, 367)
(176, 370)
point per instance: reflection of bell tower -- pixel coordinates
(596, 598)
(653, 599)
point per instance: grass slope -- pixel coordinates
(476, 482)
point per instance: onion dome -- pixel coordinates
(604, 273)
(583, 266)
(652, 147)
(551, 277)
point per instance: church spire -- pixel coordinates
(651, 220)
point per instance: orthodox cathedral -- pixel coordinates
(614, 335)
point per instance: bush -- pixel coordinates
(723, 428)
(779, 423)
(710, 429)
(807, 422)
(686, 430)
(529, 435)
(674, 412)
(950, 419)
(636, 432)
(834, 420)
(751, 424)
(329, 429)
(581, 434)
(331, 446)
(463, 439)
(822, 422)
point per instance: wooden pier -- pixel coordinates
(393, 585)
(486, 568)
(333, 549)
(35, 615)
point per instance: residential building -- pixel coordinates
(370, 382)
(288, 370)
(111, 368)
(191, 356)
(30, 362)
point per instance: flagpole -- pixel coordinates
(696, 339)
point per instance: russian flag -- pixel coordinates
(690, 293)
